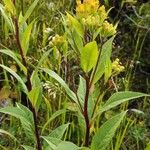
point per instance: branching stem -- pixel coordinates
(29, 85)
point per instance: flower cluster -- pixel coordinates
(107, 29)
(117, 66)
(57, 40)
(87, 8)
(91, 14)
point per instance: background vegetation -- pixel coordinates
(67, 72)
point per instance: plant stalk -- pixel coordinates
(86, 117)
(29, 85)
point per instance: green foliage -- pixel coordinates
(39, 65)
(62, 82)
(104, 60)
(104, 135)
(120, 97)
(89, 54)
(24, 115)
(67, 145)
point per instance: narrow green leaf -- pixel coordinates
(10, 6)
(77, 40)
(120, 97)
(81, 90)
(52, 142)
(33, 95)
(30, 10)
(75, 24)
(12, 55)
(104, 135)
(25, 115)
(67, 146)
(108, 70)
(89, 54)
(104, 59)
(59, 131)
(26, 37)
(42, 59)
(54, 115)
(36, 84)
(8, 19)
(7, 133)
(28, 147)
(17, 77)
(54, 75)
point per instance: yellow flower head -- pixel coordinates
(57, 40)
(117, 66)
(91, 13)
(107, 29)
(87, 8)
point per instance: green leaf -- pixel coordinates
(8, 19)
(108, 70)
(104, 60)
(33, 95)
(59, 131)
(17, 77)
(89, 54)
(36, 84)
(25, 115)
(54, 138)
(77, 40)
(81, 95)
(75, 24)
(54, 115)
(120, 97)
(10, 6)
(52, 142)
(104, 135)
(12, 55)
(28, 147)
(42, 59)
(26, 37)
(67, 146)
(54, 75)
(81, 90)
(7, 133)
(30, 10)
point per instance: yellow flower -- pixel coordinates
(87, 8)
(107, 29)
(90, 12)
(102, 14)
(117, 66)
(57, 40)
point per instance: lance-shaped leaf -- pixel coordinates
(104, 61)
(25, 115)
(16, 76)
(67, 145)
(30, 10)
(7, 18)
(26, 37)
(54, 75)
(28, 147)
(10, 6)
(13, 55)
(75, 24)
(89, 54)
(104, 135)
(120, 97)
